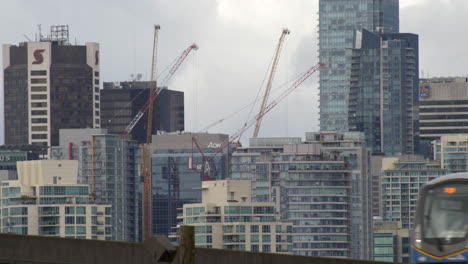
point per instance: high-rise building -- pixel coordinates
(402, 177)
(452, 152)
(178, 169)
(338, 22)
(110, 165)
(321, 185)
(121, 101)
(47, 201)
(49, 84)
(442, 109)
(227, 218)
(384, 91)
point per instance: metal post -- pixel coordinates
(187, 245)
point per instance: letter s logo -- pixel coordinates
(38, 56)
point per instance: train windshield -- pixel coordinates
(445, 219)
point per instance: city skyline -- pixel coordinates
(236, 43)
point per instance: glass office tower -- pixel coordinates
(383, 91)
(338, 22)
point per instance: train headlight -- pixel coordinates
(417, 236)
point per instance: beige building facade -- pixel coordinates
(46, 200)
(228, 219)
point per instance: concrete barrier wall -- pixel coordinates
(34, 249)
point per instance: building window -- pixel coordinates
(39, 112)
(254, 229)
(266, 238)
(228, 229)
(96, 74)
(266, 229)
(39, 128)
(240, 229)
(254, 248)
(38, 88)
(69, 220)
(39, 136)
(81, 229)
(81, 220)
(39, 104)
(39, 97)
(38, 73)
(38, 80)
(39, 120)
(70, 230)
(266, 248)
(254, 238)
(81, 210)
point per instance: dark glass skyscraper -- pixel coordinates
(121, 101)
(48, 85)
(383, 94)
(338, 22)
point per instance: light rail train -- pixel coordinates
(440, 233)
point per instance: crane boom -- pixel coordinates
(157, 90)
(179, 62)
(270, 79)
(267, 109)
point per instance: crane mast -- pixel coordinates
(145, 155)
(270, 80)
(153, 84)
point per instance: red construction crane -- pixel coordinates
(270, 80)
(207, 160)
(145, 148)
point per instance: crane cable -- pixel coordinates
(258, 93)
(249, 104)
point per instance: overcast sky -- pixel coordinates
(237, 39)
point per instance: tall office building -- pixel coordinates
(46, 200)
(49, 84)
(110, 164)
(178, 170)
(121, 101)
(227, 218)
(442, 109)
(322, 185)
(384, 91)
(338, 22)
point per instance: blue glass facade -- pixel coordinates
(111, 164)
(174, 184)
(383, 95)
(338, 22)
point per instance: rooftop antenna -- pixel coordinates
(39, 29)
